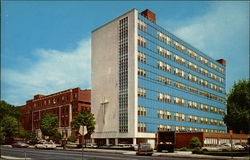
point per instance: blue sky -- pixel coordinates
(46, 45)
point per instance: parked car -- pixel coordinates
(211, 149)
(20, 145)
(46, 145)
(91, 145)
(238, 147)
(145, 149)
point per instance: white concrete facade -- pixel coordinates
(105, 80)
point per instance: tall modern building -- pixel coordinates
(145, 79)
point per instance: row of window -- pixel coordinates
(167, 40)
(178, 72)
(162, 127)
(52, 101)
(166, 53)
(162, 97)
(164, 114)
(166, 67)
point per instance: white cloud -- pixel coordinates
(54, 71)
(222, 32)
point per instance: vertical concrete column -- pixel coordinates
(134, 141)
(70, 115)
(116, 141)
(60, 116)
(107, 141)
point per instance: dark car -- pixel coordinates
(20, 145)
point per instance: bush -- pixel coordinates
(195, 142)
(196, 150)
(182, 149)
(56, 137)
(31, 138)
(72, 139)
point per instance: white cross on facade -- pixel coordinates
(103, 103)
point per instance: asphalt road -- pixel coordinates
(41, 154)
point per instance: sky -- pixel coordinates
(46, 45)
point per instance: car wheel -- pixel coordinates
(205, 150)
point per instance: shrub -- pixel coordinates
(195, 142)
(56, 137)
(31, 138)
(196, 150)
(72, 139)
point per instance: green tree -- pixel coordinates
(49, 125)
(9, 126)
(85, 119)
(11, 110)
(195, 142)
(31, 138)
(238, 110)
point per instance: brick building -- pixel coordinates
(183, 138)
(65, 105)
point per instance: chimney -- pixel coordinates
(222, 61)
(149, 15)
(38, 96)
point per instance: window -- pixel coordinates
(179, 101)
(164, 79)
(205, 94)
(192, 66)
(164, 38)
(192, 78)
(164, 97)
(192, 54)
(162, 127)
(221, 111)
(203, 71)
(192, 118)
(142, 111)
(141, 72)
(179, 72)
(142, 25)
(179, 116)
(214, 122)
(203, 82)
(203, 60)
(204, 120)
(213, 86)
(192, 89)
(179, 60)
(214, 109)
(179, 47)
(141, 57)
(142, 92)
(141, 127)
(163, 114)
(221, 123)
(192, 104)
(204, 107)
(141, 41)
(163, 66)
(179, 85)
(164, 52)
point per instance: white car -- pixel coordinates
(238, 147)
(46, 145)
(211, 149)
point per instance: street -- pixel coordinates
(39, 154)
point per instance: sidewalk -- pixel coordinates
(180, 154)
(10, 157)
